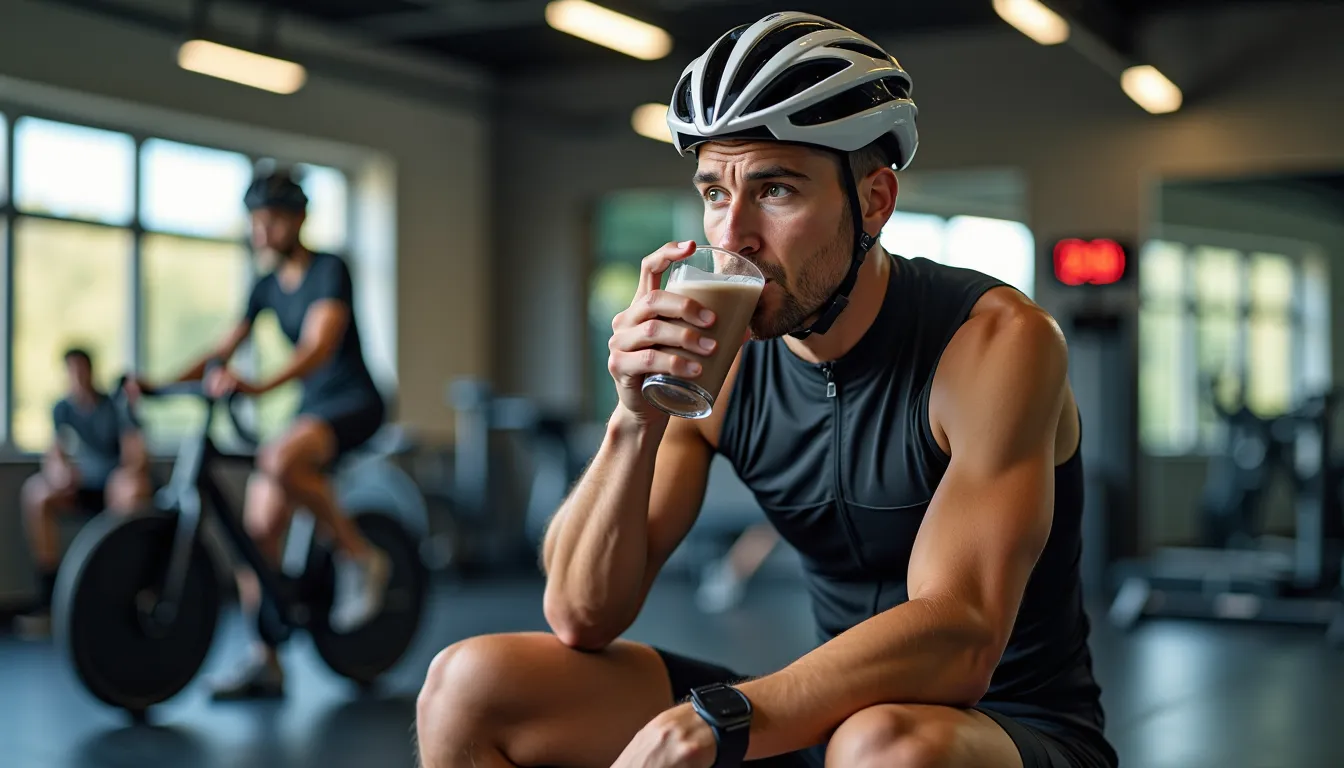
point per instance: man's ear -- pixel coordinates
(877, 196)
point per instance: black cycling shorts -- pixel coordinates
(1042, 742)
(90, 501)
(353, 420)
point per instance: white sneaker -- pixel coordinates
(361, 586)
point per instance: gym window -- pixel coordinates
(1231, 322)
(997, 247)
(136, 248)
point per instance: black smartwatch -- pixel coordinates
(728, 713)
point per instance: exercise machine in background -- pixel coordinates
(1239, 574)
(490, 493)
(138, 597)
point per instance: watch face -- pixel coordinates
(724, 703)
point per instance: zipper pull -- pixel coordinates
(830, 384)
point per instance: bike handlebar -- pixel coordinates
(197, 389)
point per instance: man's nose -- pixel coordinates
(741, 229)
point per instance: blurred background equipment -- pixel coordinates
(138, 597)
(1240, 572)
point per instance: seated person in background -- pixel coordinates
(312, 297)
(110, 471)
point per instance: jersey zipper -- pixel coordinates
(833, 394)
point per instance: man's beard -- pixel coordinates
(807, 298)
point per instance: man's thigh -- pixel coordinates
(539, 701)
(308, 445)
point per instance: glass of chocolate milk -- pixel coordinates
(729, 286)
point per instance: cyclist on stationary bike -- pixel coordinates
(311, 295)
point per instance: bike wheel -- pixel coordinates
(368, 652)
(114, 568)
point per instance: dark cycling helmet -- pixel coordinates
(276, 190)
(800, 78)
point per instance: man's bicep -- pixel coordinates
(680, 476)
(991, 515)
(982, 536)
(325, 322)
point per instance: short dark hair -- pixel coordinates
(77, 353)
(867, 159)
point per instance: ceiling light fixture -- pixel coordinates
(239, 66)
(650, 120)
(606, 27)
(1151, 89)
(1034, 20)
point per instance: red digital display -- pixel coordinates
(1095, 262)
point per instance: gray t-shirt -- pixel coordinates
(98, 431)
(342, 376)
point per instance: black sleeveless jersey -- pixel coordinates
(842, 459)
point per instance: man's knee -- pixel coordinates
(39, 498)
(128, 491)
(288, 464)
(892, 736)
(470, 676)
(267, 524)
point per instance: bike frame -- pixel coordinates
(192, 482)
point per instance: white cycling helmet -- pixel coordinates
(799, 78)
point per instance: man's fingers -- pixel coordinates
(660, 333)
(667, 305)
(645, 362)
(653, 266)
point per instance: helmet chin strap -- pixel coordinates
(863, 242)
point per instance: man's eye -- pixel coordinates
(714, 195)
(776, 190)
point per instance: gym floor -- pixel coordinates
(1177, 694)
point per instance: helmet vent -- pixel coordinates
(852, 101)
(714, 66)
(795, 80)
(765, 49)
(681, 100)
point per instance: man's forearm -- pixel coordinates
(306, 359)
(596, 550)
(926, 651)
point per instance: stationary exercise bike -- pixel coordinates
(137, 598)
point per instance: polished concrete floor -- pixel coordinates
(1178, 695)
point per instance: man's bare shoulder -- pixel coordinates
(1006, 338)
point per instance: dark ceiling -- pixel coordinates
(511, 36)
(507, 36)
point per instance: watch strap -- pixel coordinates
(732, 745)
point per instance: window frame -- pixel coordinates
(1246, 246)
(13, 112)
